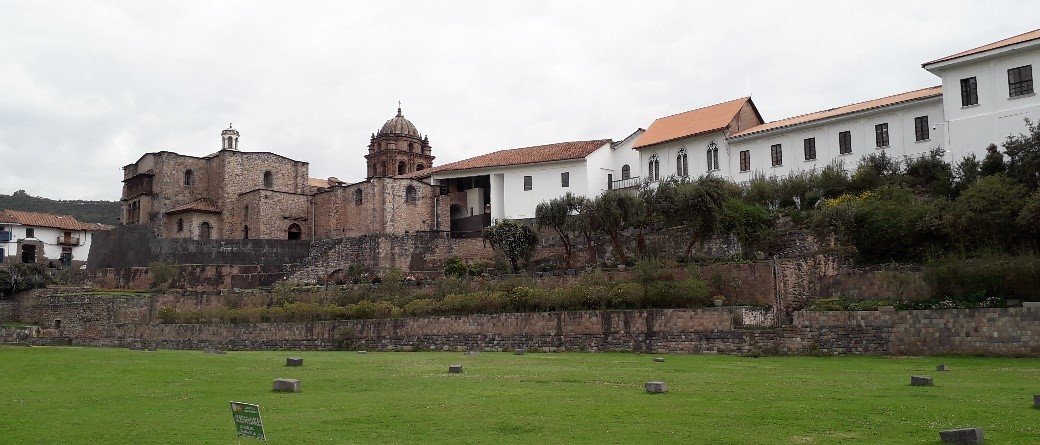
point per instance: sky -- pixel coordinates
(88, 87)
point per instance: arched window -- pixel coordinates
(268, 179)
(654, 170)
(205, 231)
(295, 232)
(402, 168)
(245, 212)
(359, 197)
(188, 177)
(681, 164)
(180, 224)
(713, 156)
(410, 195)
(411, 147)
(626, 172)
(419, 167)
(245, 232)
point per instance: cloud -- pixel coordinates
(89, 87)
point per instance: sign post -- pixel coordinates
(247, 420)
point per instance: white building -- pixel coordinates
(32, 237)
(986, 94)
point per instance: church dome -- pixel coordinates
(399, 125)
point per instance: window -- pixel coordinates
(180, 225)
(268, 179)
(777, 155)
(745, 160)
(610, 181)
(682, 167)
(245, 212)
(527, 183)
(713, 156)
(295, 232)
(419, 167)
(810, 149)
(881, 135)
(402, 168)
(654, 170)
(969, 92)
(845, 142)
(626, 171)
(188, 179)
(358, 197)
(565, 179)
(30, 232)
(921, 128)
(1020, 81)
(205, 231)
(245, 232)
(411, 147)
(410, 195)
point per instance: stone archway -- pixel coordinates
(295, 232)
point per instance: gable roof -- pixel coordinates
(1021, 38)
(887, 101)
(38, 219)
(203, 205)
(691, 123)
(562, 151)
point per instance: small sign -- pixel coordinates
(247, 420)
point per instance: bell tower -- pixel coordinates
(398, 149)
(229, 139)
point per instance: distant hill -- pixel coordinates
(105, 212)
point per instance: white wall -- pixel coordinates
(609, 161)
(902, 140)
(509, 200)
(696, 152)
(997, 115)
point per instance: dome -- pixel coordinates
(399, 125)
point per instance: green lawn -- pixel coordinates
(87, 395)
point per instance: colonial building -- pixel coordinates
(56, 240)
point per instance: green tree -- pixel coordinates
(1029, 220)
(1023, 152)
(514, 240)
(930, 173)
(615, 211)
(968, 171)
(985, 214)
(833, 180)
(698, 206)
(560, 215)
(993, 163)
(875, 170)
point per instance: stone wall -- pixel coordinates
(136, 246)
(193, 277)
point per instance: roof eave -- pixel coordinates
(949, 61)
(700, 133)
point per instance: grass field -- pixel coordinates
(101, 396)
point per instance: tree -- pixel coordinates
(560, 215)
(586, 223)
(1029, 219)
(930, 173)
(833, 180)
(513, 239)
(1023, 152)
(875, 170)
(613, 212)
(985, 214)
(699, 206)
(968, 171)
(993, 162)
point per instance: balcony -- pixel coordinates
(68, 240)
(5, 236)
(624, 183)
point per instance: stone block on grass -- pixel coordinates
(942, 368)
(286, 385)
(965, 436)
(655, 387)
(519, 351)
(214, 351)
(455, 369)
(920, 380)
(659, 359)
(362, 352)
(294, 361)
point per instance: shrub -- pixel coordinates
(691, 292)
(167, 315)
(162, 273)
(985, 214)
(983, 278)
(455, 267)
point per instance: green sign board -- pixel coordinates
(247, 420)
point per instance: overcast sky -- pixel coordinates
(87, 87)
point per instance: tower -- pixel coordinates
(229, 139)
(398, 149)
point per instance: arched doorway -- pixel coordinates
(205, 231)
(28, 253)
(295, 232)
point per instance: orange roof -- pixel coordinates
(199, 205)
(317, 182)
(691, 123)
(841, 111)
(1021, 38)
(561, 151)
(65, 222)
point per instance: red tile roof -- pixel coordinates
(562, 151)
(841, 111)
(691, 123)
(199, 205)
(64, 222)
(1021, 38)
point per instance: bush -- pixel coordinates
(984, 216)
(980, 279)
(455, 267)
(691, 292)
(162, 273)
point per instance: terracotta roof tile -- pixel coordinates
(840, 111)
(1021, 38)
(65, 222)
(691, 123)
(561, 151)
(199, 205)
